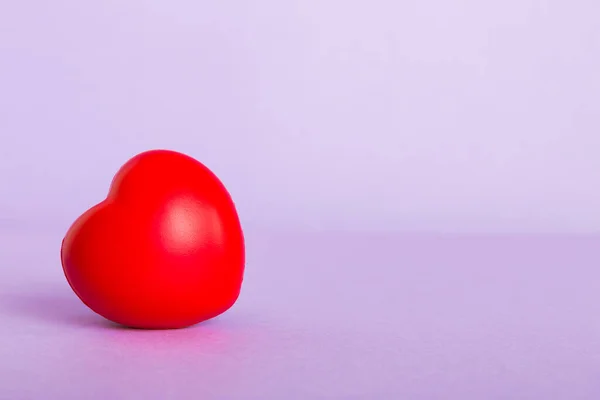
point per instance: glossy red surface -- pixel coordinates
(165, 249)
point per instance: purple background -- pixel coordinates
(318, 114)
(417, 179)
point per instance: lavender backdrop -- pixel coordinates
(410, 115)
(352, 118)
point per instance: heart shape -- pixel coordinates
(164, 250)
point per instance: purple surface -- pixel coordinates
(325, 316)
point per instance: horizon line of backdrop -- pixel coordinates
(440, 115)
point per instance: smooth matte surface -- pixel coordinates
(325, 316)
(165, 249)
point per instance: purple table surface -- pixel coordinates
(325, 316)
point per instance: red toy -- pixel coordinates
(164, 250)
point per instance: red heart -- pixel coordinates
(165, 249)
